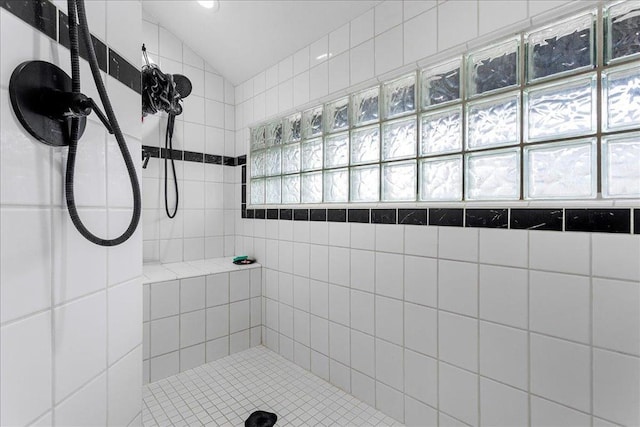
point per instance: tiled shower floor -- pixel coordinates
(227, 391)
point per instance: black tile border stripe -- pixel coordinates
(99, 47)
(301, 214)
(412, 216)
(598, 220)
(45, 17)
(40, 14)
(537, 219)
(384, 216)
(487, 218)
(594, 220)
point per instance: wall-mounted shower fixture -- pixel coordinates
(164, 92)
(51, 107)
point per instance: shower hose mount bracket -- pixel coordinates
(44, 103)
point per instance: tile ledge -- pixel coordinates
(157, 272)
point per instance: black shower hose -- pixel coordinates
(73, 7)
(168, 152)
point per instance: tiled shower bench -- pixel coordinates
(198, 311)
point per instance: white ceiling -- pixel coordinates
(244, 37)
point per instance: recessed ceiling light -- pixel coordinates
(209, 4)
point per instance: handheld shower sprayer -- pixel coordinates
(52, 108)
(164, 92)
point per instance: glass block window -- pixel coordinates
(565, 171)
(273, 190)
(399, 139)
(561, 109)
(365, 145)
(293, 128)
(441, 178)
(493, 123)
(272, 162)
(493, 175)
(400, 96)
(399, 181)
(621, 87)
(561, 47)
(441, 84)
(494, 67)
(621, 166)
(290, 189)
(312, 187)
(337, 115)
(551, 113)
(336, 150)
(366, 106)
(336, 185)
(441, 132)
(365, 184)
(312, 154)
(622, 21)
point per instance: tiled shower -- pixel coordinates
(512, 312)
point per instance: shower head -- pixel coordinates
(183, 85)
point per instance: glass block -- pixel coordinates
(336, 150)
(257, 191)
(399, 139)
(312, 154)
(493, 68)
(564, 109)
(273, 190)
(621, 166)
(365, 106)
(365, 183)
(312, 122)
(365, 145)
(336, 185)
(291, 189)
(337, 115)
(400, 96)
(493, 175)
(312, 187)
(441, 83)
(257, 163)
(291, 158)
(258, 137)
(399, 181)
(566, 171)
(274, 133)
(493, 123)
(441, 132)
(560, 48)
(293, 128)
(441, 178)
(622, 23)
(273, 161)
(622, 98)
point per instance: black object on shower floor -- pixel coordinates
(261, 419)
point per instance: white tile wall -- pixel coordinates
(442, 336)
(203, 318)
(207, 125)
(70, 311)
(521, 299)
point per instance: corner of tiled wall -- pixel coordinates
(508, 311)
(191, 321)
(204, 225)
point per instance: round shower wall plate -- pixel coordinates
(27, 87)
